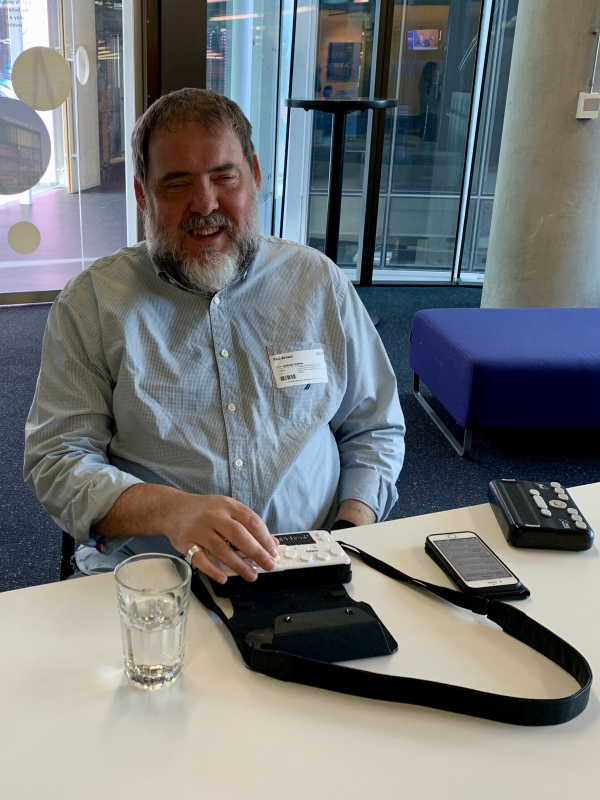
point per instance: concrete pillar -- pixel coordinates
(544, 247)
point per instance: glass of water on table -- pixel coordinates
(153, 592)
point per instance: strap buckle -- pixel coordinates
(480, 605)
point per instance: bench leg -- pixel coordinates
(462, 449)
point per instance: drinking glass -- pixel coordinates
(153, 593)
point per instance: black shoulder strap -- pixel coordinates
(515, 710)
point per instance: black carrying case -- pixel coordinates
(295, 636)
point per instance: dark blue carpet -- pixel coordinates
(434, 477)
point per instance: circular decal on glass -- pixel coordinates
(24, 237)
(41, 77)
(24, 147)
(82, 63)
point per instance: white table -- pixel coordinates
(71, 727)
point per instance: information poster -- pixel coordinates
(343, 62)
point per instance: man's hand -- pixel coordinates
(218, 524)
(214, 523)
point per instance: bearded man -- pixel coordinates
(210, 386)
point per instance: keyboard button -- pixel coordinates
(557, 504)
(540, 502)
(533, 492)
(555, 485)
(581, 525)
(545, 512)
(563, 496)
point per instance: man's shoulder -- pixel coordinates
(274, 246)
(123, 267)
(296, 260)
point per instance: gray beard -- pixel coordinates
(211, 271)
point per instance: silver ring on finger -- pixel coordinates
(192, 552)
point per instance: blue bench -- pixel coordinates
(508, 367)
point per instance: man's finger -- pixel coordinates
(230, 557)
(242, 540)
(256, 528)
(208, 567)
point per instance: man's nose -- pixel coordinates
(204, 200)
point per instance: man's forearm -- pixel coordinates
(142, 510)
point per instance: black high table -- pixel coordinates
(340, 110)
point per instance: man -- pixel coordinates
(210, 386)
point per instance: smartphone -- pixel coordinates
(470, 563)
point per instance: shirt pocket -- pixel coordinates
(307, 402)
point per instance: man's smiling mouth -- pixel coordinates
(204, 231)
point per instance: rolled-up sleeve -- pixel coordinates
(369, 424)
(70, 426)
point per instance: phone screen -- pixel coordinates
(472, 560)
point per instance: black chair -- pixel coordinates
(67, 553)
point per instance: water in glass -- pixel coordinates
(153, 592)
(153, 631)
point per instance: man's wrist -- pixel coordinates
(340, 524)
(356, 512)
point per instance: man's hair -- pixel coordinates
(212, 112)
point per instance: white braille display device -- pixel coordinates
(314, 554)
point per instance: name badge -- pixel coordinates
(299, 367)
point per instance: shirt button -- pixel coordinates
(231, 407)
(225, 353)
(238, 463)
(217, 301)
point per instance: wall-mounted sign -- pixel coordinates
(343, 62)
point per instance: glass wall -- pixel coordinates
(62, 81)
(449, 77)
(431, 75)
(344, 58)
(432, 70)
(65, 172)
(488, 141)
(244, 39)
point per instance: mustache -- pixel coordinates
(214, 220)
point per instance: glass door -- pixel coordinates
(62, 140)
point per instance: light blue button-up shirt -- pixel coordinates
(142, 380)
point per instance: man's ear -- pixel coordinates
(257, 175)
(139, 194)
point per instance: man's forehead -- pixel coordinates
(191, 130)
(169, 147)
